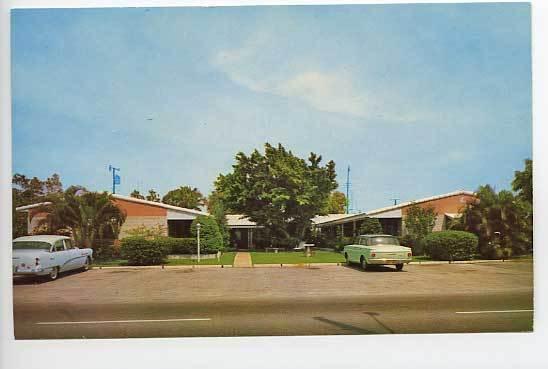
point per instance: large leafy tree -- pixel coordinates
(185, 197)
(88, 215)
(336, 203)
(278, 190)
(26, 191)
(523, 182)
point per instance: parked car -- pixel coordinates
(377, 249)
(48, 255)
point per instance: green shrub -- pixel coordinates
(371, 226)
(179, 245)
(141, 251)
(451, 245)
(339, 246)
(416, 245)
(211, 238)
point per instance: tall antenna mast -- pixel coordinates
(348, 190)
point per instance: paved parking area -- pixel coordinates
(263, 301)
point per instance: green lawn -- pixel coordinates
(296, 257)
(227, 258)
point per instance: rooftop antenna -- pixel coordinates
(395, 201)
(348, 190)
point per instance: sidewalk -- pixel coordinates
(243, 260)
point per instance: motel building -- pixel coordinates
(176, 220)
(392, 218)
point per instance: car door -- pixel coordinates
(76, 259)
(60, 255)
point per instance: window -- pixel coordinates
(383, 240)
(68, 244)
(31, 245)
(59, 246)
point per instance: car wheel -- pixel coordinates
(363, 263)
(87, 265)
(53, 274)
(399, 267)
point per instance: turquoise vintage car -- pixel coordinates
(377, 249)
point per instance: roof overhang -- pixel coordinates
(33, 206)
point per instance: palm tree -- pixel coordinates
(87, 214)
(493, 214)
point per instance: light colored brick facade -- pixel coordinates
(139, 221)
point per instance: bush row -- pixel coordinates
(142, 251)
(451, 245)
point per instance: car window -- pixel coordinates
(68, 244)
(58, 245)
(31, 245)
(383, 240)
(362, 241)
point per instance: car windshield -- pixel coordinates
(383, 241)
(31, 245)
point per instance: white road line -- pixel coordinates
(492, 311)
(126, 321)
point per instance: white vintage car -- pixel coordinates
(377, 249)
(48, 255)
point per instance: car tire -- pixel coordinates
(54, 274)
(399, 267)
(87, 265)
(363, 263)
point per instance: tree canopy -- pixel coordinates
(26, 191)
(88, 215)
(278, 190)
(153, 196)
(523, 182)
(185, 197)
(136, 194)
(499, 220)
(336, 203)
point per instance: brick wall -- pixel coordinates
(138, 221)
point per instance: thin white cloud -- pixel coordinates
(261, 66)
(251, 67)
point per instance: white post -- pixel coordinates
(198, 234)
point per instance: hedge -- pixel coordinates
(179, 245)
(141, 251)
(451, 245)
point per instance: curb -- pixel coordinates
(462, 262)
(304, 265)
(135, 267)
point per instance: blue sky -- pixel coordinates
(418, 99)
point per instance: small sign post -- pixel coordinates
(198, 225)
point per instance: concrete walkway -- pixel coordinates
(242, 260)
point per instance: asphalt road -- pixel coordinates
(494, 297)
